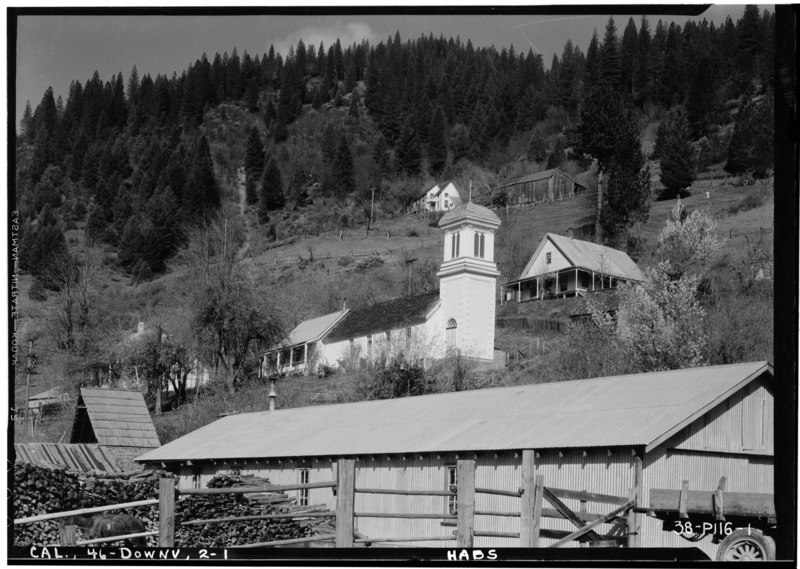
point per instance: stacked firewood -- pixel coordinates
(225, 534)
(42, 490)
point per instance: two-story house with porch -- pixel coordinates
(563, 267)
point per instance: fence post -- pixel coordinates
(166, 512)
(67, 532)
(345, 502)
(528, 496)
(465, 502)
(538, 499)
(636, 495)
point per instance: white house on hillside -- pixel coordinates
(563, 266)
(460, 316)
(439, 198)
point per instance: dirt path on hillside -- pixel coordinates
(240, 182)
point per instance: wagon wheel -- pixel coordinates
(746, 545)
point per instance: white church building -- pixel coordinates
(459, 317)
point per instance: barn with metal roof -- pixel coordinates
(610, 435)
(118, 420)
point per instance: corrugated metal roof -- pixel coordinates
(471, 211)
(624, 410)
(74, 457)
(591, 256)
(313, 329)
(385, 316)
(120, 418)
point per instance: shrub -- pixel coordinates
(750, 201)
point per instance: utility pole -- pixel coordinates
(372, 207)
(408, 264)
(30, 361)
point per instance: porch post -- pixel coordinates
(592, 281)
(279, 361)
(305, 356)
(576, 281)
(557, 287)
(291, 357)
(519, 292)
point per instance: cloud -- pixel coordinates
(347, 33)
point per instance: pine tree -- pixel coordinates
(342, 169)
(629, 59)
(408, 152)
(27, 119)
(250, 98)
(270, 114)
(352, 111)
(559, 155)
(609, 133)
(751, 146)
(254, 155)
(200, 192)
(281, 133)
(677, 156)
(272, 197)
(42, 245)
(592, 66)
(437, 143)
(609, 55)
(537, 148)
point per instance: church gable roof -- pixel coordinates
(385, 316)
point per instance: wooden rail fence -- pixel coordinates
(533, 494)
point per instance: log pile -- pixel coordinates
(43, 490)
(225, 534)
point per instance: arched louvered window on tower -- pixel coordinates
(454, 248)
(480, 245)
(450, 332)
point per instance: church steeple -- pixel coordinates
(468, 279)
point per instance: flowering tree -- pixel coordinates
(687, 242)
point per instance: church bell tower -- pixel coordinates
(468, 280)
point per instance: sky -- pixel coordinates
(53, 50)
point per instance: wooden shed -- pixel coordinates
(547, 185)
(117, 420)
(615, 437)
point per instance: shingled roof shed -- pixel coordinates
(115, 419)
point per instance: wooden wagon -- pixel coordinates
(742, 523)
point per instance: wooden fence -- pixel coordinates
(533, 495)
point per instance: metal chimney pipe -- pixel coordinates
(272, 395)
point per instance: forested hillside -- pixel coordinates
(145, 194)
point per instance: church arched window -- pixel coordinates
(450, 332)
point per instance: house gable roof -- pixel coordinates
(314, 329)
(433, 187)
(384, 316)
(119, 417)
(629, 410)
(591, 256)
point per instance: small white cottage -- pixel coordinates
(460, 316)
(562, 267)
(439, 198)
